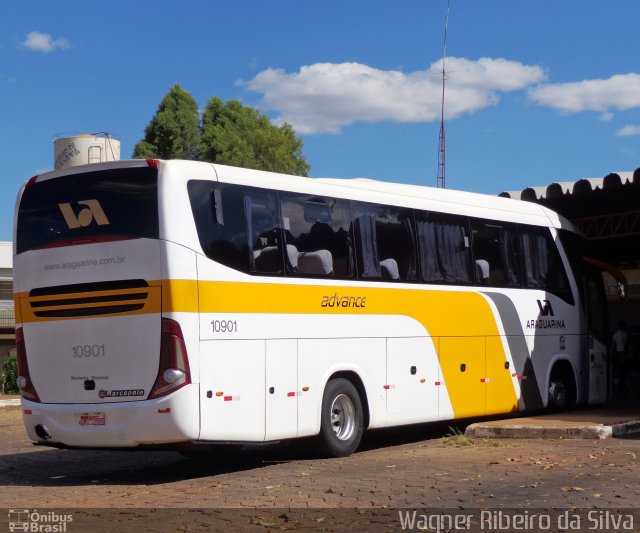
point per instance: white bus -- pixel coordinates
(185, 303)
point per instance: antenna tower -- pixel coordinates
(442, 140)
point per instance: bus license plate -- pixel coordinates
(92, 419)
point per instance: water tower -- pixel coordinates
(84, 148)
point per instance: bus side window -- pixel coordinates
(543, 266)
(316, 232)
(385, 242)
(445, 252)
(237, 226)
(264, 239)
(495, 249)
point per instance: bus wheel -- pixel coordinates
(341, 425)
(562, 388)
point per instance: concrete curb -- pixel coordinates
(515, 431)
(10, 403)
(627, 428)
(565, 431)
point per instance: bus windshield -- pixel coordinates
(83, 208)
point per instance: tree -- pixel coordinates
(173, 132)
(237, 135)
(9, 375)
(230, 134)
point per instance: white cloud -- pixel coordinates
(628, 131)
(621, 92)
(43, 42)
(325, 97)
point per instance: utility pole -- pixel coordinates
(442, 140)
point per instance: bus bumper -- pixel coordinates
(171, 419)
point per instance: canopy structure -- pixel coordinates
(606, 209)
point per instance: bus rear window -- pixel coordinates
(89, 207)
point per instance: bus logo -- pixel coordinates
(545, 308)
(26, 520)
(19, 520)
(91, 212)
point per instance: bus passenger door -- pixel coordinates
(281, 381)
(596, 313)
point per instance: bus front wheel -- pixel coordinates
(562, 388)
(341, 424)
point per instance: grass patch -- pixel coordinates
(456, 437)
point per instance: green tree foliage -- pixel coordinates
(230, 134)
(8, 383)
(237, 135)
(173, 132)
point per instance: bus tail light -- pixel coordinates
(31, 181)
(27, 390)
(173, 373)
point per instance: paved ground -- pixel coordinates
(424, 467)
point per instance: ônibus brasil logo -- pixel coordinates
(35, 521)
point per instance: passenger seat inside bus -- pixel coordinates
(292, 255)
(389, 268)
(317, 262)
(266, 259)
(483, 270)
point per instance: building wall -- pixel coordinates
(7, 313)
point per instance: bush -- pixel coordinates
(8, 383)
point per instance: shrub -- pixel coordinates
(8, 383)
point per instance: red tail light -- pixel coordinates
(31, 181)
(153, 163)
(173, 373)
(27, 390)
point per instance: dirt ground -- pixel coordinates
(424, 467)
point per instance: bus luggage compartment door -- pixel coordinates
(462, 360)
(282, 390)
(412, 372)
(232, 395)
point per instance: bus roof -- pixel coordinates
(362, 189)
(401, 194)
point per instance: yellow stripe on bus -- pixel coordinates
(463, 326)
(461, 323)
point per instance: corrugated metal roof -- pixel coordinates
(558, 189)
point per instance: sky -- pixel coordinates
(537, 91)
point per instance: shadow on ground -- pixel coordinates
(65, 467)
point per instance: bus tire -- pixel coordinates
(341, 425)
(562, 387)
